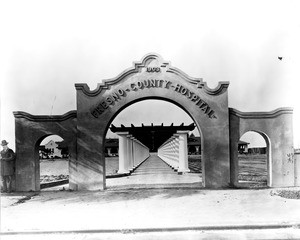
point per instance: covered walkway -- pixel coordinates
(155, 173)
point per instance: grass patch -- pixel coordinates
(253, 169)
(290, 194)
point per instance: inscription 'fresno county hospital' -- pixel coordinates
(152, 83)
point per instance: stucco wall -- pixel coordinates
(277, 129)
(30, 131)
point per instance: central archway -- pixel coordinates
(152, 78)
(157, 118)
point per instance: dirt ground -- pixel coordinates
(131, 211)
(251, 168)
(58, 169)
(151, 212)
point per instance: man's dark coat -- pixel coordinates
(7, 162)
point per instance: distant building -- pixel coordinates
(242, 147)
(111, 147)
(257, 150)
(194, 145)
(60, 149)
(53, 150)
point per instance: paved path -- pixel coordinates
(155, 173)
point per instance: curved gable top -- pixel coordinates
(46, 118)
(152, 62)
(261, 115)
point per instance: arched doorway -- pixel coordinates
(254, 162)
(152, 78)
(53, 157)
(152, 122)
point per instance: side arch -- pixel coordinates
(30, 130)
(268, 153)
(277, 130)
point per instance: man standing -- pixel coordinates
(7, 166)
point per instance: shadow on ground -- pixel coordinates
(102, 197)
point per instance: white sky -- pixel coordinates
(48, 46)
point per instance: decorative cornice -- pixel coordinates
(255, 115)
(46, 118)
(222, 86)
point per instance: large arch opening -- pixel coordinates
(159, 115)
(254, 166)
(53, 161)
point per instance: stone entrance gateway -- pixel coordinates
(153, 78)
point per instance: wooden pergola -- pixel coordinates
(153, 136)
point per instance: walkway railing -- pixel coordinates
(174, 151)
(131, 152)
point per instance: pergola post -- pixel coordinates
(129, 152)
(183, 152)
(123, 158)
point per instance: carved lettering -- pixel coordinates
(177, 88)
(104, 105)
(122, 92)
(157, 82)
(160, 83)
(205, 109)
(116, 96)
(140, 85)
(133, 87)
(167, 84)
(153, 69)
(190, 94)
(152, 83)
(99, 109)
(146, 83)
(211, 114)
(110, 100)
(195, 98)
(200, 103)
(95, 114)
(183, 91)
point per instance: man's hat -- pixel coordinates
(3, 143)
